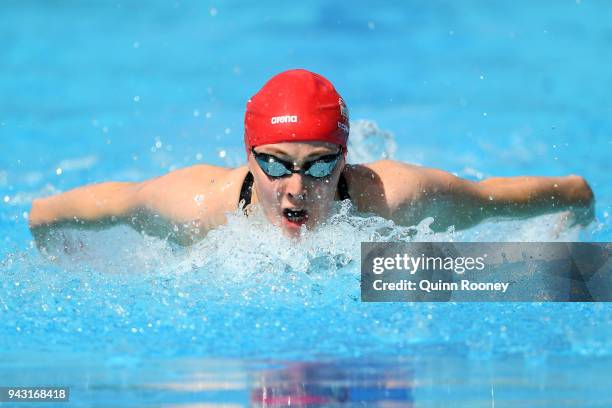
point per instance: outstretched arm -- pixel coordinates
(415, 193)
(180, 206)
(92, 206)
(527, 196)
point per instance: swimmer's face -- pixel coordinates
(297, 199)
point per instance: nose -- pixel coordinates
(295, 187)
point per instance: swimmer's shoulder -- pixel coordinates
(196, 191)
(381, 185)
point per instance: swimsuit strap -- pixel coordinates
(343, 188)
(247, 190)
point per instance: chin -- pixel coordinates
(292, 234)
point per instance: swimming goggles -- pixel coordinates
(277, 168)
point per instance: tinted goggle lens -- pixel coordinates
(274, 167)
(321, 168)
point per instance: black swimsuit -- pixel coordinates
(247, 190)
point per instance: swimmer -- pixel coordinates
(296, 130)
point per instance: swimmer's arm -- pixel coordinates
(93, 206)
(142, 206)
(166, 207)
(414, 193)
(528, 196)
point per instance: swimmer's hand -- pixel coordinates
(46, 238)
(574, 217)
(581, 216)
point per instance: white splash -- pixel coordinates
(368, 142)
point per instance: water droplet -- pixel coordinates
(59, 171)
(213, 12)
(136, 98)
(222, 154)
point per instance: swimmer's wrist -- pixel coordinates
(574, 195)
(579, 192)
(582, 213)
(40, 215)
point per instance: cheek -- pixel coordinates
(323, 194)
(269, 193)
(326, 189)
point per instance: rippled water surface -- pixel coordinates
(125, 91)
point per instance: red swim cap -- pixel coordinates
(296, 106)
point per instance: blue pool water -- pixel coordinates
(95, 91)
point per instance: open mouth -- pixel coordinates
(295, 215)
